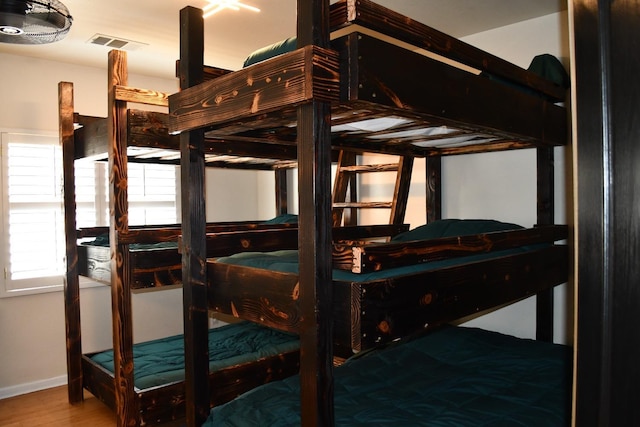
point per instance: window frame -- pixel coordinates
(55, 283)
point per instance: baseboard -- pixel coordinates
(19, 389)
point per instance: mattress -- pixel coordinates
(161, 361)
(286, 261)
(454, 376)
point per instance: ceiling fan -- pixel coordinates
(33, 21)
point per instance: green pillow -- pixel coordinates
(454, 228)
(270, 51)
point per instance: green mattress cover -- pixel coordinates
(286, 261)
(456, 376)
(161, 361)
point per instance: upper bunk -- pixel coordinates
(143, 131)
(448, 97)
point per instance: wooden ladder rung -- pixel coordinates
(389, 167)
(363, 205)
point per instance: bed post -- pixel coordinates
(545, 207)
(71, 279)
(433, 172)
(281, 191)
(126, 398)
(314, 237)
(194, 250)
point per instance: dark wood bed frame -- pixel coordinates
(351, 78)
(108, 139)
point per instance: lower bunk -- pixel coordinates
(241, 356)
(452, 376)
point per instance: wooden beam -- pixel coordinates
(401, 190)
(126, 398)
(71, 279)
(288, 80)
(433, 172)
(141, 96)
(194, 250)
(545, 213)
(281, 191)
(314, 181)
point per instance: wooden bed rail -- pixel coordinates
(255, 87)
(352, 252)
(375, 257)
(141, 96)
(395, 25)
(279, 238)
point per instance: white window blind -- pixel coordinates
(32, 237)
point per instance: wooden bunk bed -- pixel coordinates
(134, 135)
(305, 98)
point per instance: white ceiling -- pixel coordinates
(232, 35)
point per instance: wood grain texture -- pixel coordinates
(193, 247)
(314, 200)
(262, 88)
(71, 280)
(378, 311)
(141, 96)
(50, 408)
(126, 399)
(376, 257)
(396, 307)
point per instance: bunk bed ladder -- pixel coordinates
(345, 183)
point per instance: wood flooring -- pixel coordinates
(51, 408)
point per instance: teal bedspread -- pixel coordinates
(286, 261)
(451, 377)
(161, 361)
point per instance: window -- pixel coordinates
(32, 236)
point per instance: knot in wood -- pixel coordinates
(384, 327)
(296, 292)
(426, 299)
(245, 243)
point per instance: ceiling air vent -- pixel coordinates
(115, 42)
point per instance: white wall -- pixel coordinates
(32, 337)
